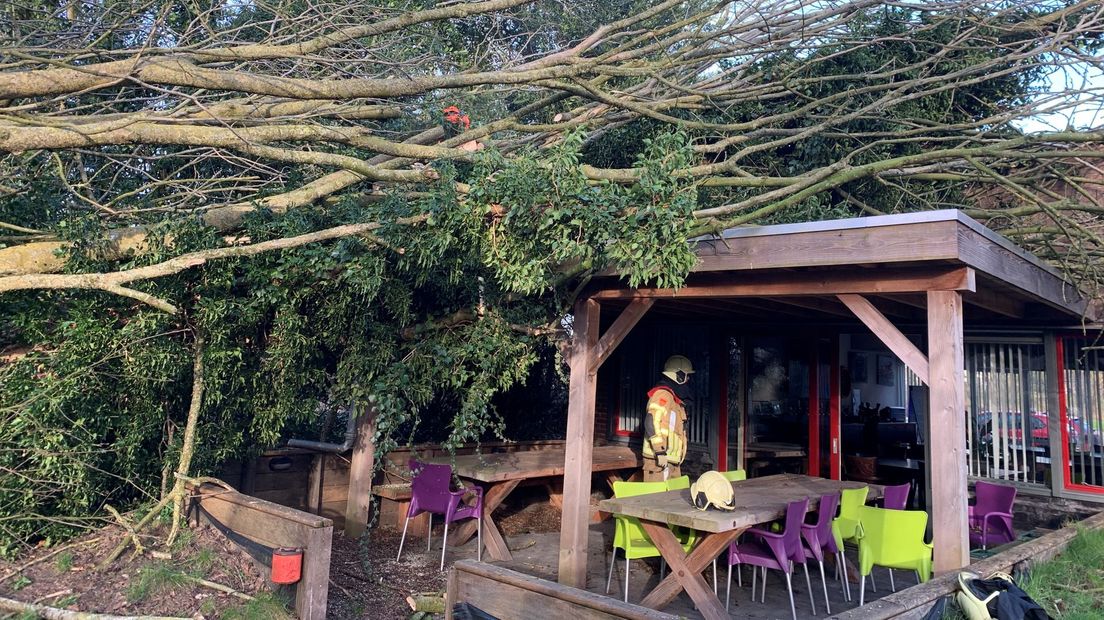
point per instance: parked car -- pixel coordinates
(1081, 435)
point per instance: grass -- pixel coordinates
(1071, 586)
(154, 579)
(64, 562)
(267, 606)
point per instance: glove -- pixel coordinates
(661, 459)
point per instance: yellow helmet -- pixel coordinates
(712, 489)
(678, 369)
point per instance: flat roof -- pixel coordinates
(1008, 284)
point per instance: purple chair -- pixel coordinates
(818, 539)
(896, 497)
(431, 492)
(991, 515)
(767, 549)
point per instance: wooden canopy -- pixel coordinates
(933, 271)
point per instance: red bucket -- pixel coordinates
(287, 565)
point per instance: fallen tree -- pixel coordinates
(398, 204)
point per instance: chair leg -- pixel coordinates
(892, 586)
(444, 545)
(789, 588)
(873, 584)
(824, 584)
(862, 590)
(754, 581)
(763, 587)
(429, 531)
(739, 575)
(613, 560)
(662, 568)
(714, 576)
(626, 576)
(809, 586)
(846, 581)
(403, 539)
(728, 588)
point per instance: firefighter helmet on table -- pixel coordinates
(678, 369)
(712, 489)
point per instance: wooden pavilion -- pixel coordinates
(937, 274)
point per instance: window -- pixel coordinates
(1081, 388)
(1006, 394)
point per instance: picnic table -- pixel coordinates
(759, 500)
(502, 473)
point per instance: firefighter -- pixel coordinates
(665, 422)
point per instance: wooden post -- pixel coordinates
(580, 446)
(315, 483)
(947, 467)
(360, 474)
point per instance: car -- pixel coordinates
(1082, 436)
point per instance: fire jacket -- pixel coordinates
(665, 425)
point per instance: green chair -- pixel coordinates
(845, 527)
(893, 539)
(846, 524)
(629, 535)
(734, 475)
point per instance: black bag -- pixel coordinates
(1001, 597)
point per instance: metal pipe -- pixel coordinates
(322, 446)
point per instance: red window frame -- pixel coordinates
(1063, 420)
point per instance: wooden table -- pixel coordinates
(759, 500)
(760, 454)
(502, 473)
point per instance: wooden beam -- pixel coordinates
(890, 336)
(580, 446)
(802, 244)
(812, 303)
(947, 465)
(999, 302)
(360, 475)
(628, 319)
(872, 281)
(1017, 268)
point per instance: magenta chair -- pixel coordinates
(896, 497)
(991, 515)
(818, 539)
(431, 492)
(766, 549)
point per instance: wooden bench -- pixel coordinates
(508, 594)
(273, 525)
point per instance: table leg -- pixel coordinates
(492, 537)
(685, 570)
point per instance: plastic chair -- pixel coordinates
(818, 539)
(629, 535)
(893, 539)
(896, 497)
(777, 551)
(431, 492)
(734, 475)
(991, 515)
(846, 524)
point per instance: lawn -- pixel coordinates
(1071, 586)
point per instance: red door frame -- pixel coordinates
(834, 422)
(1063, 420)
